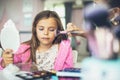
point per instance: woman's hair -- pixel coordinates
(34, 42)
(114, 3)
(0, 45)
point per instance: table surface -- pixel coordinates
(8, 76)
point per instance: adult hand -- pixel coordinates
(73, 30)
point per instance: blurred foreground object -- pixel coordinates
(96, 16)
(99, 31)
(103, 64)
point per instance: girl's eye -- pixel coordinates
(41, 28)
(51, 29)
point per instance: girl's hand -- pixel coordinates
(73, 30)
(7, 57)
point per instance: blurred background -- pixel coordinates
(22, 12)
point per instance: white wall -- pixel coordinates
(13, 9)
(77, 19)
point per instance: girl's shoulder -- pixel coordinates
(23, 47)
(65, 42)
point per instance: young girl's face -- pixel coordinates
(46, 31)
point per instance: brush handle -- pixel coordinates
(63, 32)
(72, 32)
(77, 32)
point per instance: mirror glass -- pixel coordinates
(10, 38)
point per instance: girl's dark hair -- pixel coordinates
(34, 42)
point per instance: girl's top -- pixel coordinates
(63, 59)
(45, 60)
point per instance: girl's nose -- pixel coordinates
(46, 32)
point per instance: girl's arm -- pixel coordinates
(69, 59)
(20, 56)
(64, 58)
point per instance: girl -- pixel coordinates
(47, 49)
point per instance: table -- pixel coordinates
(8, 76)
(9, 73)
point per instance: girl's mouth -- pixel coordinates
(45, 38)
